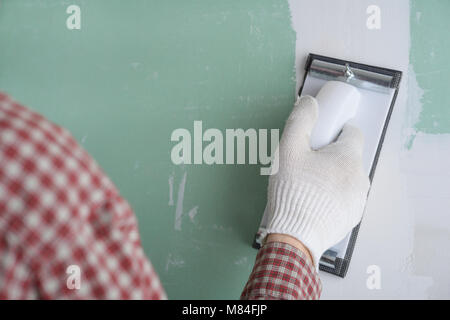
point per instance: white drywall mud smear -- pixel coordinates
(426, 172)
(395, 233)
(427, 177)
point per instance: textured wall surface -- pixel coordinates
(430, 49)
(136, 71)
(139, 69)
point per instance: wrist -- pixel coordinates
(284, 238)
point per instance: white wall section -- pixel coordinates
(406, 227)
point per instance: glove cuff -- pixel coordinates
(299, 210)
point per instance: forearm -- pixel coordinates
(282, 272)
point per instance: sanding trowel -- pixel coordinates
(354, 93)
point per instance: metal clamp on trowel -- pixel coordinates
(347, 92)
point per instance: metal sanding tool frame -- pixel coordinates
(379, 88)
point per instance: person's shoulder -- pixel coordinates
(26, 124)
(33, 150)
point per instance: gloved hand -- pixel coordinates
(318, 196)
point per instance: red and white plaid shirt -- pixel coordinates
(61, 217)
(60, 214)
(282, 272)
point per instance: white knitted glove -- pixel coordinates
(318, 196)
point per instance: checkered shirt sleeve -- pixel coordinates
(282, 272)
(65, 232)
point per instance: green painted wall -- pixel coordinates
(139, 69)
(430, 57)
(136, 71)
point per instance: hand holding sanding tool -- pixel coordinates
(317, 196)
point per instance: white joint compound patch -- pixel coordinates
(405, 230)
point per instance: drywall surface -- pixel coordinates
(136, 71)
(430, 49)
(405, 231)
(426, 160)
